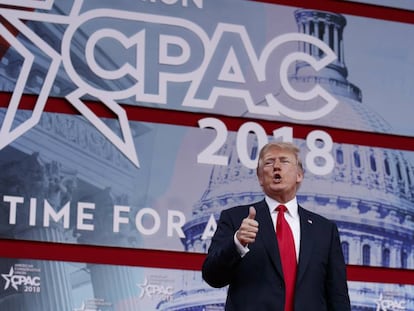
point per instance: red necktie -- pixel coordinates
(287, 255)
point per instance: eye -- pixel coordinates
(269, 162)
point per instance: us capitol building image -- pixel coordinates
(370, 193)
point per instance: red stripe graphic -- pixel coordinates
(351, 8)
(175, 117)
(162, 259)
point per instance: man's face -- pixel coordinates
(279, 174)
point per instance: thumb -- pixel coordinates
(252, 212)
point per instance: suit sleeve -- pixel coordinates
(223, 258)
(336, 287)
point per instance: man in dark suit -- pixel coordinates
(245, 252)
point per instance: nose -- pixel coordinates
(277, 165)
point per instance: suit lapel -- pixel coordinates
(306, 242)
(268, 234)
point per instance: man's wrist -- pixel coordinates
(242, 250)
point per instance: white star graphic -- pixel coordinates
(8, 277)
(143, 287)
(8, 134)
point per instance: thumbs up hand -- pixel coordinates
(248, 228)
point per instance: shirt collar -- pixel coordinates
(292, 206)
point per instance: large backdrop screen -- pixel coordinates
(133, 124)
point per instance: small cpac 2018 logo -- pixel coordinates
(390, 304)
(154, 290)
(30, 283)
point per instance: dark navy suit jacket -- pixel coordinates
(256, 280)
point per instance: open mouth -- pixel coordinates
(277, 178)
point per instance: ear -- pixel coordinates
(299, 176)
